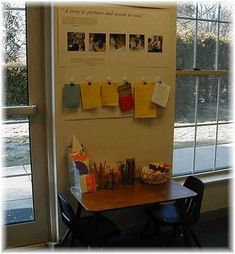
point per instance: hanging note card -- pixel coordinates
(91, 95)
(126, 100)
(71, 95)
(161, 94)
(144, 108)
(109, 94)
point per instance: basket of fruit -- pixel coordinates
(155, 173)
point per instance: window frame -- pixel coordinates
(198, 73)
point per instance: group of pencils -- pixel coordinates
(107, 177)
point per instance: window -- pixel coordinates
(17, 176)
(203, 115)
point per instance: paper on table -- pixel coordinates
(76, 146)
(91, 95)
(109, 94)
(161, 94)
(144, 108)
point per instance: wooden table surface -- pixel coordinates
(132, 195)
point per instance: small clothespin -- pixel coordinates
(144, 80)
(89, 79)
(71, 81)
(109, 80)
(125, 80)
(158, 80)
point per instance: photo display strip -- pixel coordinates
(97, 42)
(104, 36)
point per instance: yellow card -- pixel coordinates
(144, 108)
(91, 95)
(109, 94)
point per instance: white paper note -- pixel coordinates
(161, 94)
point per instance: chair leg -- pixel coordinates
(145, 228)
(61, 243)
(177, 230)
(72, 241)
(195, 238)
(187, 240)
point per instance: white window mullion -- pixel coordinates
(195, 40)
(195, 130)
(217, 41)
(217, 121)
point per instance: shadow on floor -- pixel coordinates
(212, 233)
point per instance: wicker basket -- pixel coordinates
(150, 176)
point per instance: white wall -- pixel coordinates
(116, 139)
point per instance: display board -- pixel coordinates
(117, 41)
(90, 36)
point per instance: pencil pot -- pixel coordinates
(155, 173)
(128, 171)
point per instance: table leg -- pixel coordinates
(79, 210)
(97, 242)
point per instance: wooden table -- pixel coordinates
(137, 194)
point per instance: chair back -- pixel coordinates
(193, 205)
(67, 213)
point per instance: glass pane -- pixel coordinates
(207, 99)
(185, 43)
(225, 134)
(17, 180)
(205, 149)
(206, 45)
(16, 86)
(10, 4)
(225, 49)
(17, 198)
(16, 144)
(186, 9)
(226, 10)
(224, 156)
(185, 99)
(183, 150)
(225, 100)
(14, 37)
(184, 137)
(208, 10)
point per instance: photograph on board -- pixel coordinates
(97, 42)
(117, 42)
(136, 42)
(75, 41)
(155, 43)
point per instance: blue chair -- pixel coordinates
(85, 228)
(171, 214)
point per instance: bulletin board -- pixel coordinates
(119, 41)
(110, 23)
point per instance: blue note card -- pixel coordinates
(71, 96)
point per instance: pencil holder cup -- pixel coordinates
(128, 172)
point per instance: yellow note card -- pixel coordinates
(109, 94)
(91, 95)
(144, 108)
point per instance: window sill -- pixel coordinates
(209, 177)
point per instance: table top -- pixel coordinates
(133, 195)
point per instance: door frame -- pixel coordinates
(44, 227)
